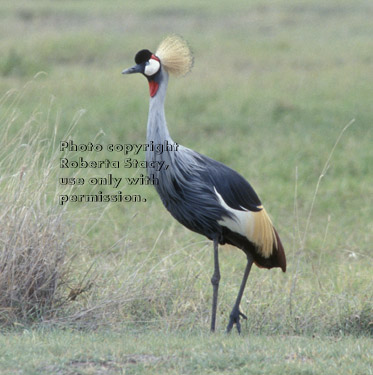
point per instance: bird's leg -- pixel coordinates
(215, 285)
(234, 317)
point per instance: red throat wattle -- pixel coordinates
(153, 88)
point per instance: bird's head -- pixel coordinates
(173, 55)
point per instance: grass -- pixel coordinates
(71, 352)
(272, 88)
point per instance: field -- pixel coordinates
(279, 91)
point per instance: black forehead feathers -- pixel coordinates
(143, 56)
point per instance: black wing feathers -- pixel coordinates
(234, 189)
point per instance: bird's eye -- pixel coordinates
(152, 67)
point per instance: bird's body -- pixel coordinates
(204, 195)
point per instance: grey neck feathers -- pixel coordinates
(157, 128)
(176, 163)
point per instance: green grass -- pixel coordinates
(71, 352)
(272, 87)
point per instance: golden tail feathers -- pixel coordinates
(264, 233)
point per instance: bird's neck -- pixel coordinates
(157, 127)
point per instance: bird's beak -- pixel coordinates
(134, 69)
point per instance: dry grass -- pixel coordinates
(32, 263)
(33, 238)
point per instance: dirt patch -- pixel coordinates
(141, 358)
(100, 367)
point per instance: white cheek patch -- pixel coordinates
(152, 67)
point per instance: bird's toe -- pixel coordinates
(243, 315)
(234, 319)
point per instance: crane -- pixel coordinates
(204, 195)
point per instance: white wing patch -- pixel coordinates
(255, 226)
(243, 222)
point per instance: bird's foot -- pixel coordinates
(234, 318)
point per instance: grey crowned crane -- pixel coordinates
(204, 195)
